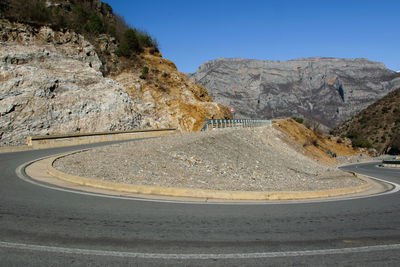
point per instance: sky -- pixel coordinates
(192, 32)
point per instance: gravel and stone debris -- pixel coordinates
(229, 159)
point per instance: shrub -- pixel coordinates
(94, 24)
(132, 40)
(123, 50)
(362, 142)
(353, 134)
(314, 142)
(364, 119)
(145, 71)
(385, 110)
(145, 40)
(38, 12)
(106, 8)
(4, 6)
(299, 120)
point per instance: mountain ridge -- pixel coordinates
(328, 90)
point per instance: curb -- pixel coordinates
(203, 193)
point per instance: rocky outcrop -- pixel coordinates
(169, 98)
(51, 83)
(329, 90)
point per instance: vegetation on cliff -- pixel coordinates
(92, 18)
(53, 77)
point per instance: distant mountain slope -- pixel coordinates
(379, 124)
(329, 90)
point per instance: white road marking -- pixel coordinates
(20, 173)
(166, 256)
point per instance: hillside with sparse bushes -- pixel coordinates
(76, 67)
(93, 19)
(377, 126)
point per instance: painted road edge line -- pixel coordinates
(20, 172)
(203, 193)
(200, 256)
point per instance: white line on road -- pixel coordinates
(20, 173)
(166, 256)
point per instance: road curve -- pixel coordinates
(41, 226)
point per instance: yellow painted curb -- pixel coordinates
(202, 193)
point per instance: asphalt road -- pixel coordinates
(41, 227)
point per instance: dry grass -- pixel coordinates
(173, 94)
(314, 145)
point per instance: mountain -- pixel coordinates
(71, 78)
(328, 90)
(376, 126)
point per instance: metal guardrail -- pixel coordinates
(71, 135)
(221, 124)
(87, 138)
(385, 158)
(392, 161)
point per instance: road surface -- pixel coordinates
(41, 226)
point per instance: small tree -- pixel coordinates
(132, 40)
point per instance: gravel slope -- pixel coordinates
(241, 159)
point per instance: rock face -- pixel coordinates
(328, 90)
(169, 98)
(51, 83)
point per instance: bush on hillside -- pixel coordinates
(83, 17)
(132, 39)
(299, 120)
(362, 142)
(124, 50)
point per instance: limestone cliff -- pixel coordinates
(51, 83)
(328, 90)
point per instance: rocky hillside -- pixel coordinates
(377, 126)
(316, 145)
(328, 90)
(52, 82)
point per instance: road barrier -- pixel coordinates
(391, 163)
(87, 138)
(385, 158)
(221, 124)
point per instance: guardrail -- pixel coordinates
(87, 138)
(385, 158)
(221, 124)
(391, 163)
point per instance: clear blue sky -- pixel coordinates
(192, 32)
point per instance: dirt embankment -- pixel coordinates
(315, 145)
(169, 97)
(259, 159)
